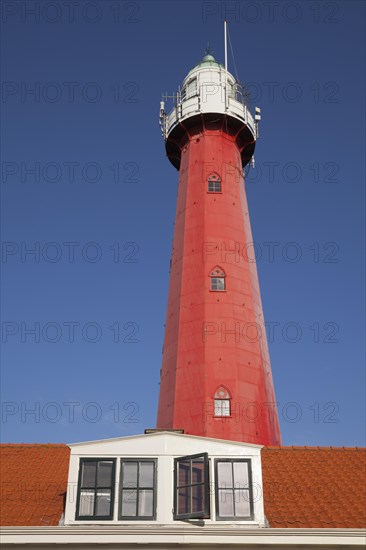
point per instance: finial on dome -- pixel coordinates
(208, 56)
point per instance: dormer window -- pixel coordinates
(222, 402)
(191, 487)
(95, 489)
(138, 489)
(217, 279)
(214, 183)
(234, 498)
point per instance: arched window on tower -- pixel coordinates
(217, 276)
(214, 183)
(222, 400)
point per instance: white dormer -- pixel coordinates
(164, 478)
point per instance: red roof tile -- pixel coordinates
(318, 487)
(33, 483)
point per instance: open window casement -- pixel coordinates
(191, 487)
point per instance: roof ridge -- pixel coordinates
(265, 447)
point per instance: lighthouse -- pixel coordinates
(216, 378)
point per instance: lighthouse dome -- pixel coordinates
(208, 57)
(207, 62)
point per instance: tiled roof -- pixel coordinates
(33, 483)
(320, 487)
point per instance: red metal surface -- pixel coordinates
(215, 339)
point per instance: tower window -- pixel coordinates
(234, 498)
(190, 90)
(191, 485)
(214, 184)
(222, 402)
(96, 489)
(217, 276)
(138, 489)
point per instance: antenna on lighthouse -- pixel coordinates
(225, 48)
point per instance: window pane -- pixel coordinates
(88, 474)
(145, 502)
(146, 474)
(226, 503)
(198, 470)
(192, 482)
(103, 504)
(129, 503)
(86, 505)
(184, 467)
(104, 476)
(241, 474)
(191, 87)
(214, 185)
(130, 474)
(222, 407)
(198, 498)
(138, 501)
(225, 407)
(217, 410)
(233, 490)
(217, 283)
(184, 500)
(242, 504)
(225, 477)
(220, 284)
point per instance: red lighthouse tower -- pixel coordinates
(216, 376)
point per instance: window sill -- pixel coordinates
(220, 291)
(208, 521)
(234, 520)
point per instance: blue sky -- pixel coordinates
(98, 208)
